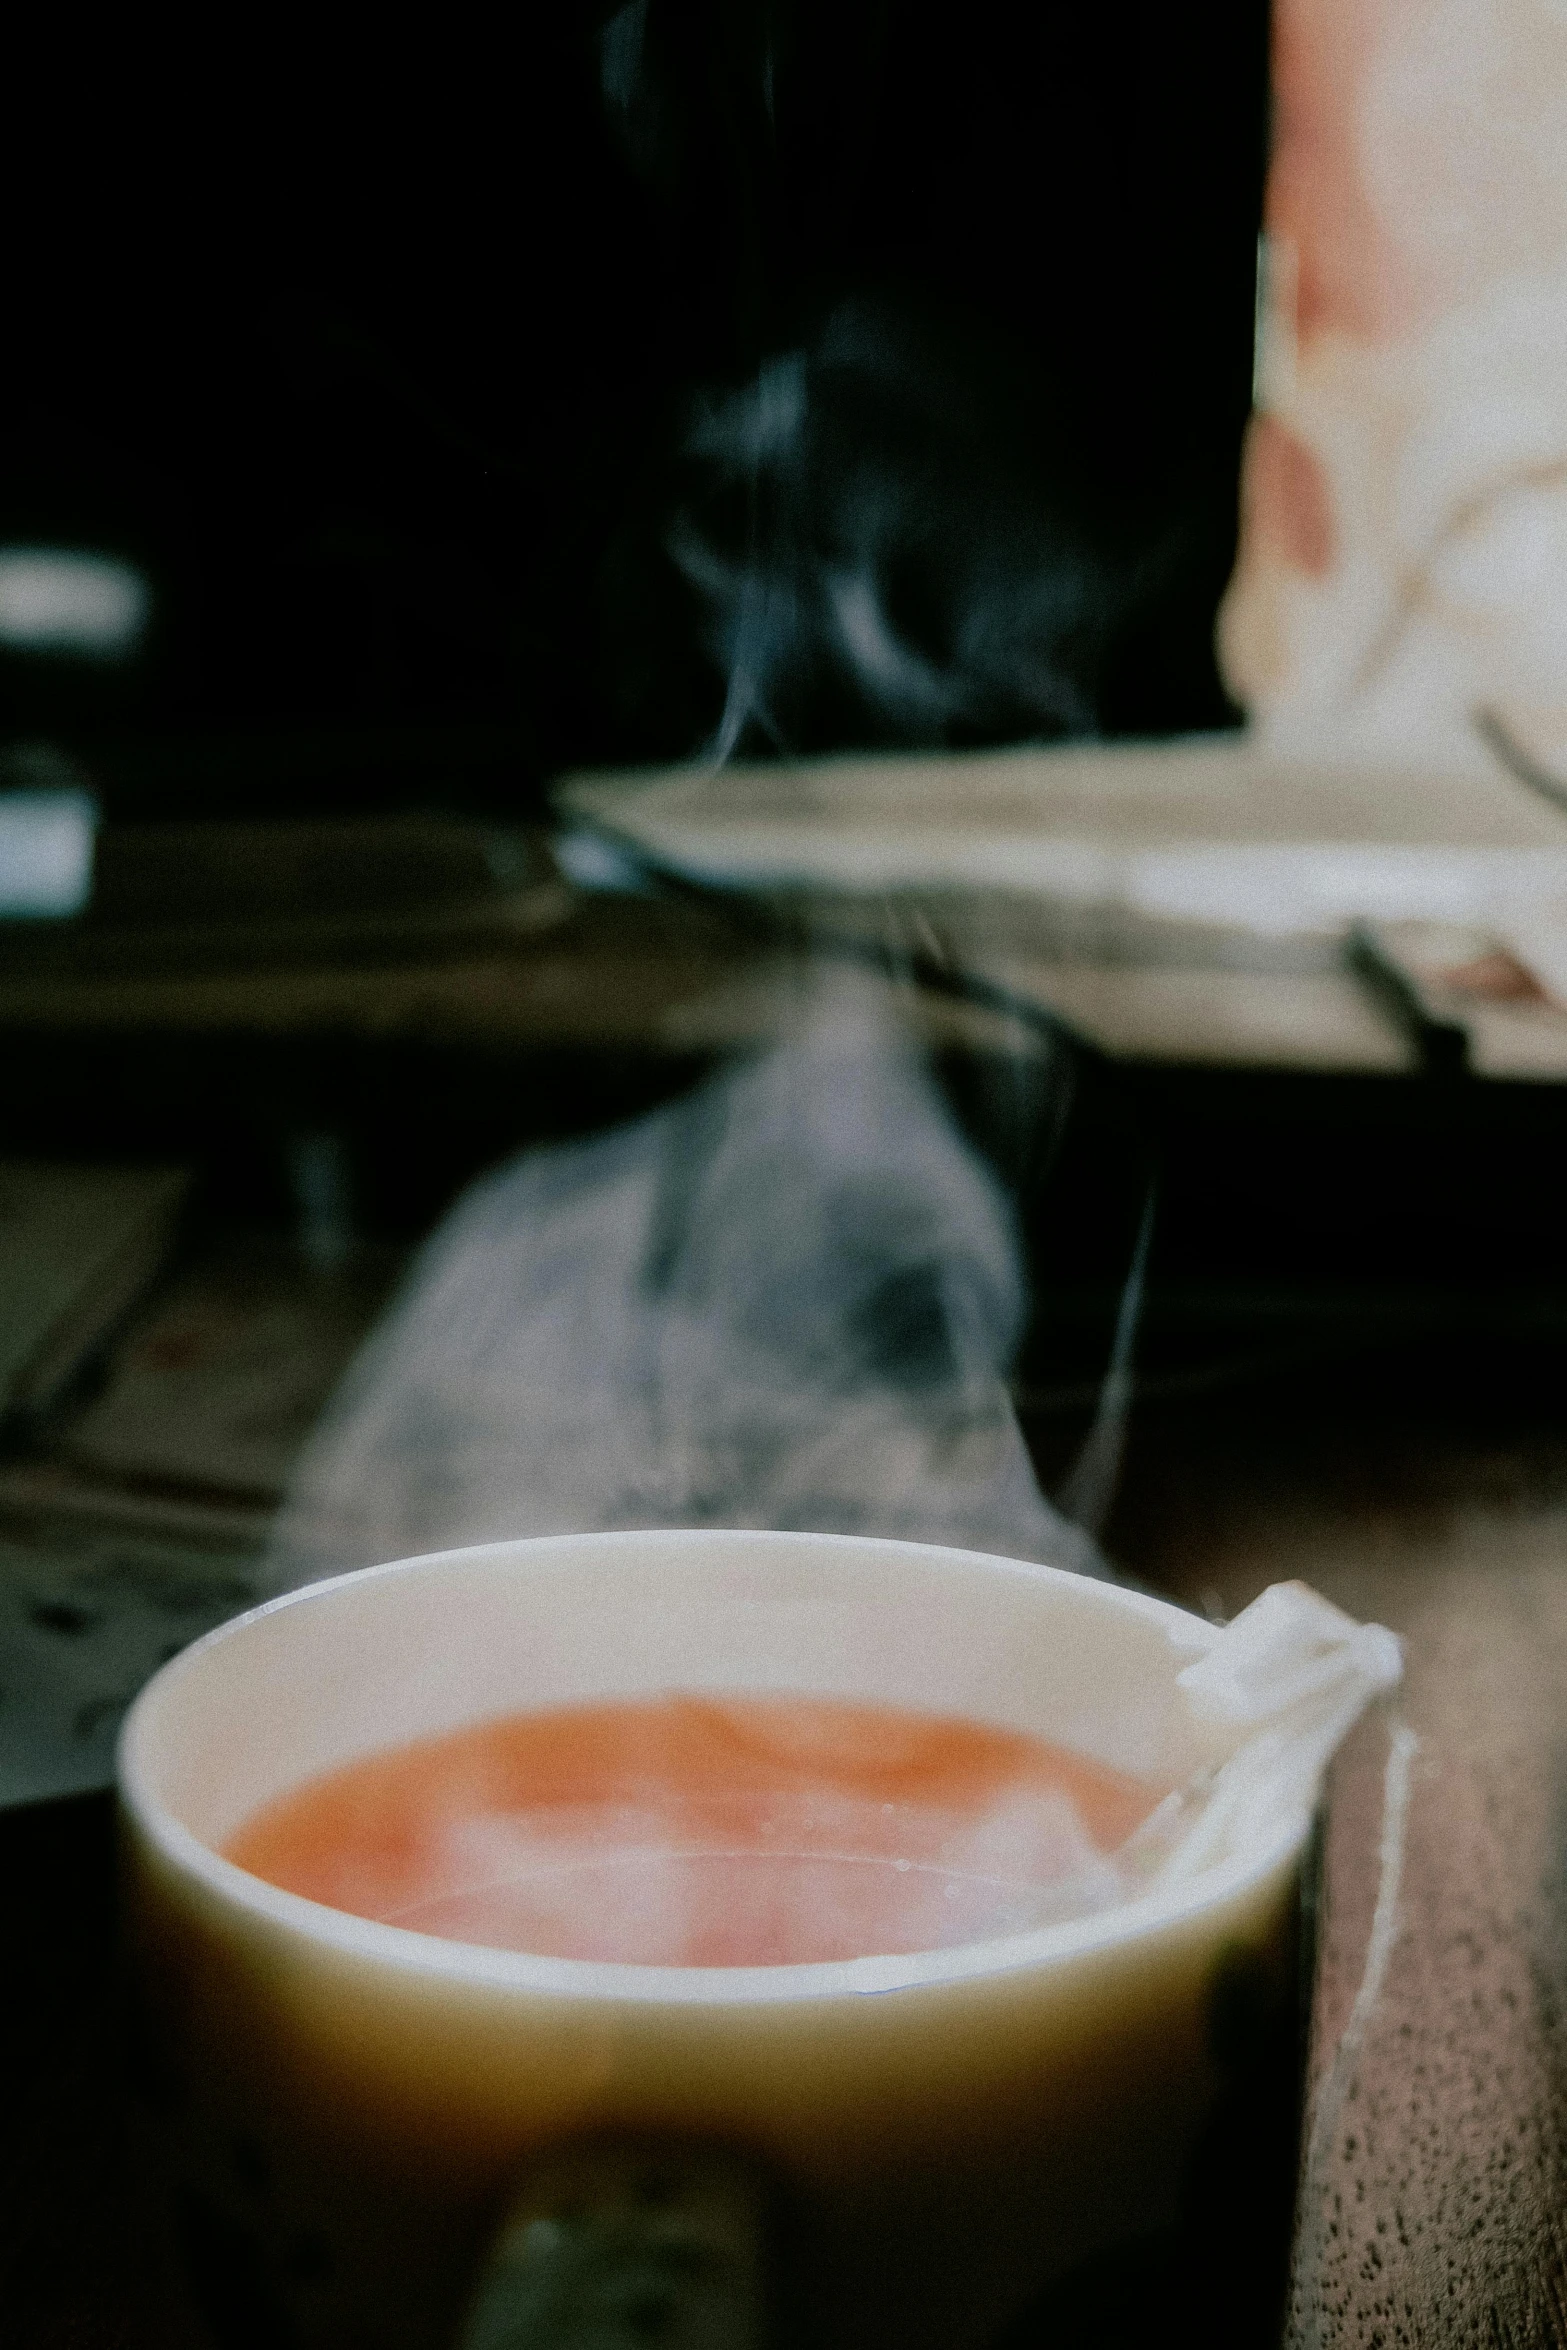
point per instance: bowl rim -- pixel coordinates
(403, 1952)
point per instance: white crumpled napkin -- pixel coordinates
(1289, 1677)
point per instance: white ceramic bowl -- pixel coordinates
(344, 2108)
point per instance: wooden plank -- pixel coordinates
(1207, 828)
(1213, 1018)
(1433, 2194)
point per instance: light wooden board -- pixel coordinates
(1210, 829)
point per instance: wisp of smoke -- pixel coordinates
(875, 552)
(647, 1886)
(789, 1300)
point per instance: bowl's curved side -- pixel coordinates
(346, 2107)
(943, 2147)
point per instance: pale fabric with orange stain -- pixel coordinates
(1404, 537)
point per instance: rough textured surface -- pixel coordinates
(1433, 2200)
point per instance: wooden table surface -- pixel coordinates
(1432, 2204)
(1433, 2198)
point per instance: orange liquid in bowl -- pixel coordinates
(708, 1832)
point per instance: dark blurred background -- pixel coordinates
(456, 383)
(380, 350)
